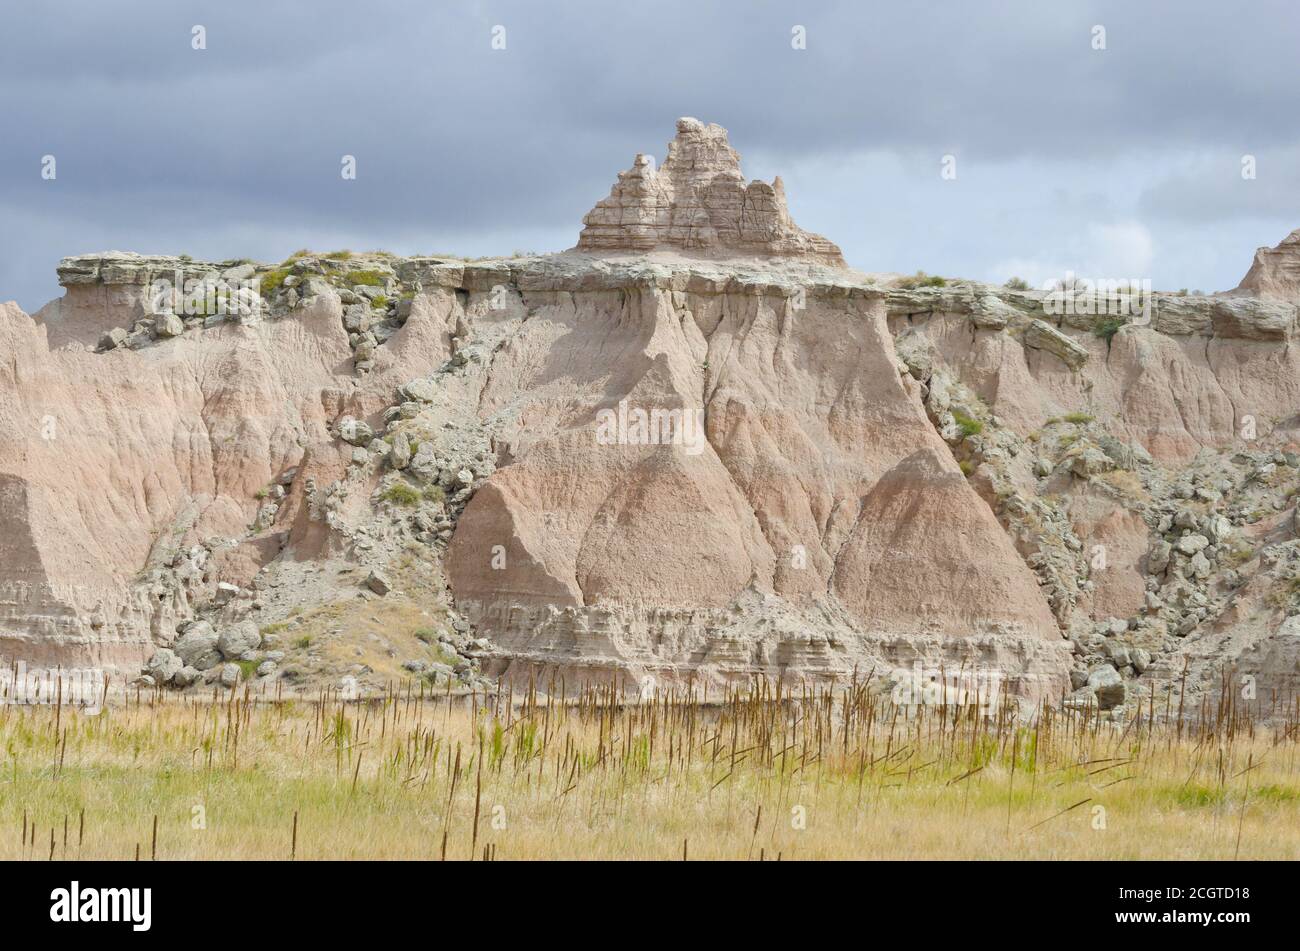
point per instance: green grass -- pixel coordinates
(1199, 797)
(969, 425)
(344, 255)
(401, 493)
(363, 278)
(1107, 328)
(1078, 419)
(415, 774)
(272, 281)
(434, 493)
(303, 642)
(921, 279)
(379, 303)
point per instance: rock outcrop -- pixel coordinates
(1275, 272)
(698, 201)
(650, 463)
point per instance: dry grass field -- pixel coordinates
(758, 774)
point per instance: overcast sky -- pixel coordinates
(1121, 162)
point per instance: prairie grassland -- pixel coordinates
(755, 774)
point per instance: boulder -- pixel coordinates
(1108, 686)
(399, 456)
(354, 431)
(197, 647)
(237, 638)
(168, 325)
(1040, 335)
(377, 582)
(420, 390)
(356, 319)
(112, 339)
(1158, 557)
(1118, 653)
(163, 665)
(1090, 462)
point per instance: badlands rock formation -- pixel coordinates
(1275, 272)
(698, 201)
(694, 447)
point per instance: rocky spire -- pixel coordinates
(1275, 272)
(698, 201)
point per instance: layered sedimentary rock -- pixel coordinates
(1275, 272)
(698, 201)
(815, 490)
(661, 464)
(124, 471)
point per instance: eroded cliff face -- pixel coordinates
(812, 493)
(691, 462)
(119, 466)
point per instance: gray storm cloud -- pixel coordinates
(1067, 156)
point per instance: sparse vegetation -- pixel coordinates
(401, 493)
(363, 279)
(1285, 594)
(969, 425)
(1078, 419)
(921, 279)
(272, 281)
(1017, 284)
(1238, 554)
(1107, 327)
(1126, 483)
(405, 775)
